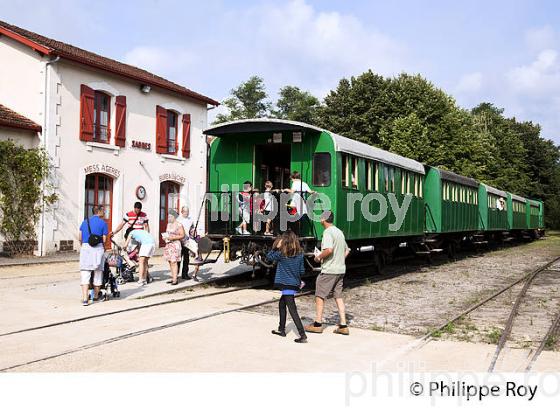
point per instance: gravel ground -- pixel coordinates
(413, 297)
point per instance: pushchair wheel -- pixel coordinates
(106, 298)
(121, 281)
(117, 294)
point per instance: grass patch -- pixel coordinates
(447, 329)
(550, 342)
(493, 335)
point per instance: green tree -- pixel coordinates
(508, 171)
(21, 194)
(296, 105)
(357, 108)
(248, 100)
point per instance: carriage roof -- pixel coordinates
(495, 191)
(342, 144)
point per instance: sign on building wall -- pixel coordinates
(172, 177)
(103, 168)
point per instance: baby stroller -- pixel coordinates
(123, 263)
(109, 284)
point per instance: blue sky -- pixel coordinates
(505, 52)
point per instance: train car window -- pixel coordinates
(386, 177)
(416, 177)
(403, 182)
(369, 176)
(444, 190)
(420, 192)
(345, 170)
(321, 169)
(376, 179)
(392, 178)
(354, 172)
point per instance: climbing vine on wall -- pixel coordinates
(22, 195)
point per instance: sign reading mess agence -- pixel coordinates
(103, 168)
(142, 145)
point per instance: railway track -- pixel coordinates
(128, 335)
(526, 281)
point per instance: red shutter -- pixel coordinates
(186, 135)
(120, 129)
(161, 130)
(87, 97)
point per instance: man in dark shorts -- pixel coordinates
(334, 251)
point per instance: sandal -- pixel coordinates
(169, 282)
(175, 283)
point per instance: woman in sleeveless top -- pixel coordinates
(172, 237)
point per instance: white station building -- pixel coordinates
(115, 134)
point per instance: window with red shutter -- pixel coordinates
(101, 116)
(171, 132)
(120, 129)
(186, 135)
(87, 103)
(161, 130)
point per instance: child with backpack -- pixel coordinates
(287, 252)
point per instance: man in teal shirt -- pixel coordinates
(334, 251)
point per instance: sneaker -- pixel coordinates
(268, 234)
(246, 233)
(342, 331)
(302, 339)
(312, 328)
(85, 302)
(239, 231)
(141, 283)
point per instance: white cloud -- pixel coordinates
(541, 78)
(285, 43)
(161, 60)
(541, 38)
(469, 83)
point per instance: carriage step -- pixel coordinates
(480, 242)
(436, 250)
(430, 240)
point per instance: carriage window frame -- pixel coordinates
(369, 175)
(354, 172)
(317, 169)
(344, 166)
(386, 177)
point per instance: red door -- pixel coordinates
(168, 199)
(99, 191)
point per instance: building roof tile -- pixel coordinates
(10, 118)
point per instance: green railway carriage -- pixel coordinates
(365, 187)
(451, 202)
(541, 215)
(517, 212)
(492, 209)
(343, 169)
(533, 210)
